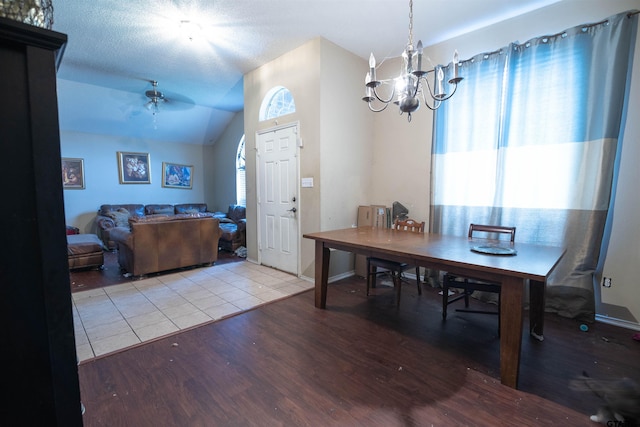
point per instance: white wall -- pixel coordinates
(101, 175)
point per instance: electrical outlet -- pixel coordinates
(606, 282)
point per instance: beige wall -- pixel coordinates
(346, 137)
(334, 130)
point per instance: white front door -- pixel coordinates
(278, 198)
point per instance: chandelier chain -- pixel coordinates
(410, 23)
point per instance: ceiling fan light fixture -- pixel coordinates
(155, 98)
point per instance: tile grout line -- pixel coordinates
(244, 274)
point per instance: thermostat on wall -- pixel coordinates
(307, 182)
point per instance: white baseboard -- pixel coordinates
(618, 322)
(332, 278)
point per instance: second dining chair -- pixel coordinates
(393, 268)
(469, 285)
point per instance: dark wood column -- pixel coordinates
(38, 347)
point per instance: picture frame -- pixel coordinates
(72, 174)
(134, 168)
(175, 175)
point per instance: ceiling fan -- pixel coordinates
(156, 98)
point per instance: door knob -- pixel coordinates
(293, 209)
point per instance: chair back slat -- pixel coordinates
(493, 229)
(409, 225)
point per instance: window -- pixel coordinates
(241, 180)
(276, 103)
(530, 140)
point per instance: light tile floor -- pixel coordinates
(119, 316)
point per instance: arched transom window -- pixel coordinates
(276, 103)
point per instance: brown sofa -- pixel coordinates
(112, 216)
(165, 242)
(233, 225)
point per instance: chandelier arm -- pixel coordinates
(393, 93)
(429, 88)
(455, 87)
(436, 104)
(378, 109)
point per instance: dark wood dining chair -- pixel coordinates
(393, 268)
(469, 285)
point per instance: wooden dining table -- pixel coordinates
(530, 263)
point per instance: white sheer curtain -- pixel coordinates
(530, 140)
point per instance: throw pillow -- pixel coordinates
(121, 219)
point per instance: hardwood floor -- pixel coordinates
(360, 362)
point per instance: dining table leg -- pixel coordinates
(536, 309)
(511, 308)
(321, 274)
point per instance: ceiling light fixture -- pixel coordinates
(412, 82)
(190, 29)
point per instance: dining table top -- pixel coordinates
(530, 261)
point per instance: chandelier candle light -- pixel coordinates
(412, 82)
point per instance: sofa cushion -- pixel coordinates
(151, 218)
(190, 208)
(134, 209)
(194, 215)
(159, 210)
(120, 217)
(82, 244)
(237, 212)
(229, 231)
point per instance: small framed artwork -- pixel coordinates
(72, 174)
(134, 168)
(177, 176)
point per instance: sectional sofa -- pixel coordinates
(155, 243)
(113, 216)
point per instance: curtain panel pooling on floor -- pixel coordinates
(531, 141)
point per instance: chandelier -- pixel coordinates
(413, 82)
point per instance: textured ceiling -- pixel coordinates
(116, 47)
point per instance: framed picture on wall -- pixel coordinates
(177, 176)
(72, 173)
(134, 168)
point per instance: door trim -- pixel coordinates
(296, 125)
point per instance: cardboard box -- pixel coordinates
(379, 216)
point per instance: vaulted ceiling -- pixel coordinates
(116, 47)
